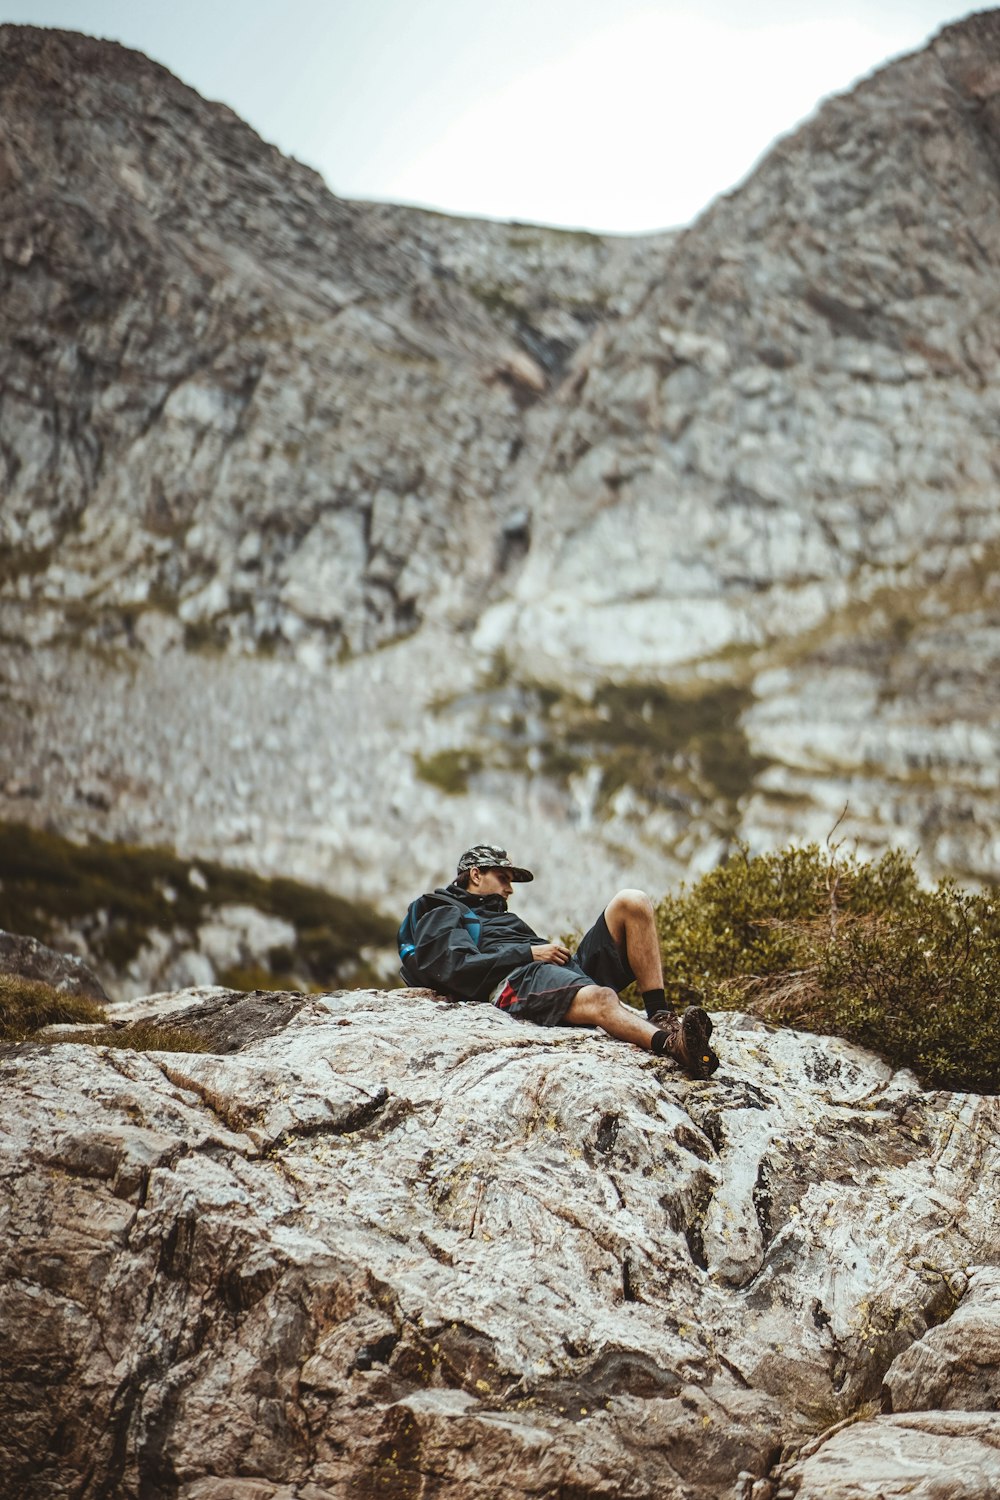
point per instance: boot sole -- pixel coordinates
(696, 1028)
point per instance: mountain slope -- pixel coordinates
(666, 541)
(234, 399)
(782, 471)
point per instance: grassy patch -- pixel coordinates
(499, 301)
(888, 617)
(26, 1005)
(791, 801)
(141, 1036)
(119, 893)
(524, 239)
(552, 232)
(210, 637)
(146, 1036)
(17, 564)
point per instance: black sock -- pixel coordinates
(654, 1000)
(658, 1043)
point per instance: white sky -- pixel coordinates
(600, 114)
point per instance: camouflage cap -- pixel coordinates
(491, 857)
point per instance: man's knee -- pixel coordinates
(592, 1005)
(630, 902)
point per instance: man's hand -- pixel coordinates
(549, 953)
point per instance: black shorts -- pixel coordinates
(543, 993)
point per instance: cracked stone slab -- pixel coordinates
(926, 1456)
(956, 1366)
(408, 1244)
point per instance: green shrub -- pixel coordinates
(855, 948)
(921, 988)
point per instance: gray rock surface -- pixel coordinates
(31, 959)
(955, 1367)
(283, 418)
(394, 1245)
(927, 1456)
(782, 470)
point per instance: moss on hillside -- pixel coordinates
(644, 734)
(120, 893)
(450, 770)
(666, 745)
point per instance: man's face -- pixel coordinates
(491, 883)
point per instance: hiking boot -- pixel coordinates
(663, 1019)
(687, 1040)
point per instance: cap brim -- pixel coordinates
(518, 874)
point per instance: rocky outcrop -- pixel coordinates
(381, 1243)
(30, 959)
(664, 542)
(800, 416)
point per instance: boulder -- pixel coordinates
(31, 959)
(923, 1457)
(381, 1243)
(955, 1367)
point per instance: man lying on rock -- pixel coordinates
(462, 941)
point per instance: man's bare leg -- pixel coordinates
(595, 1005)
(686, 1041)
(632, 923)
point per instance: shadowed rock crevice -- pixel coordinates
(607, 1134)
(354, 1120)
(762, 1203)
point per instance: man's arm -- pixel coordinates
(446, 958)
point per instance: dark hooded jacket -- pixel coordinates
(448, 954)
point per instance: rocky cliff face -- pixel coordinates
(381, 1244)
(782, 471)
(664, 541)
(237, 407)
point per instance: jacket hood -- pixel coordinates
(457, 892)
